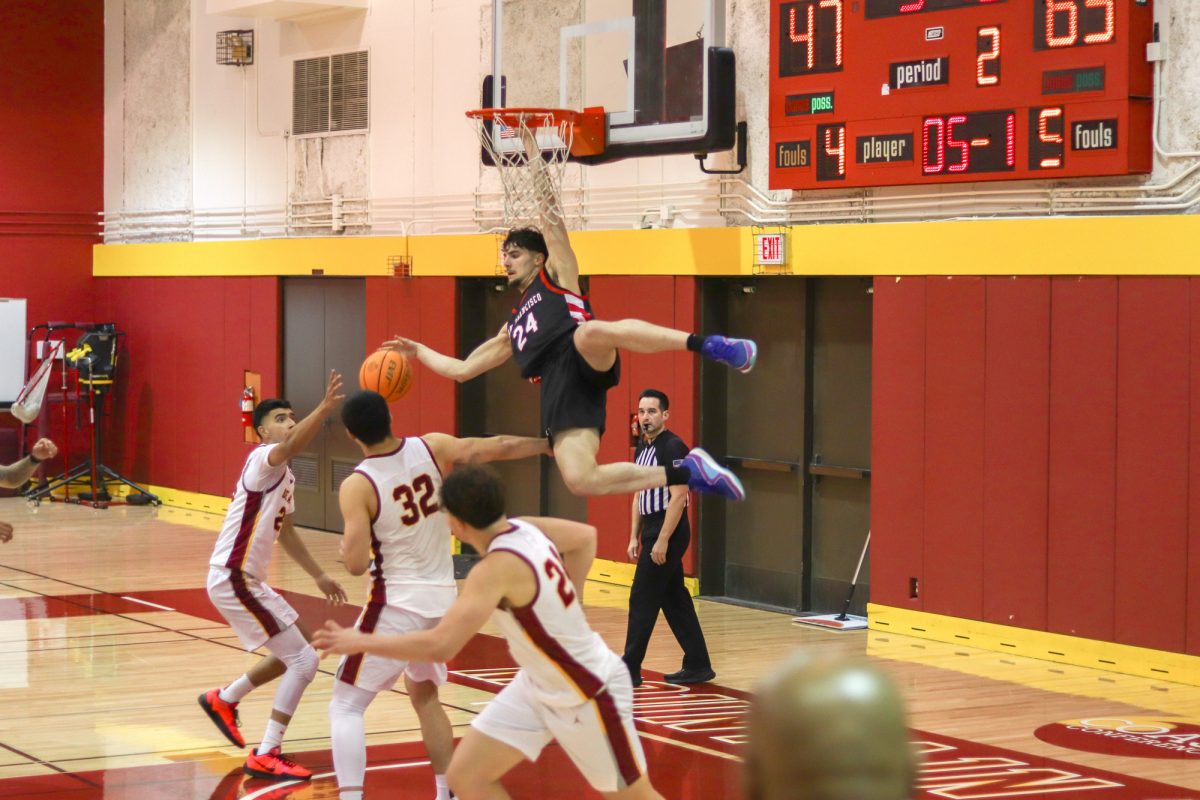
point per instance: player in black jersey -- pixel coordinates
(552, 335)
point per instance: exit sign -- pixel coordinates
(769, 248)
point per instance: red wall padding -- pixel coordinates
(1033, 453)
(954, 403)
(1083, 448)
(51, 161)
(176, 420)
(1016, 423)
(662, 300)
(52, 107)
(1153, 353)
(1193, 439)
(897, 440)
(426, 310)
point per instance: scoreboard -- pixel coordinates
(893, 92)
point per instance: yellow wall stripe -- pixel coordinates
(1122, 658)
(1135, 245)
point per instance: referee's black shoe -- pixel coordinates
(686, 676)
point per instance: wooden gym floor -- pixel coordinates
(107, 638)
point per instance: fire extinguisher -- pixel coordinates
(635, 431)
(248, 407)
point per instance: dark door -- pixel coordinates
(840, 461)
(323, 329)
(753, 551)
(797, 430)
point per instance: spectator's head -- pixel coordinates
(828, 729)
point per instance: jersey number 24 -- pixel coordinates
(519, 332)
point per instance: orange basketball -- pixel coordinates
(386, 372)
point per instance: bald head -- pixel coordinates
(826, 729)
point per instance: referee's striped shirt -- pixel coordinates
(662, 452)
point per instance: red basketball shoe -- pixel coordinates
(274, 766)
(224, 715)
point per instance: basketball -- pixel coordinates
(386, 372)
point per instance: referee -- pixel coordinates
(658, 538)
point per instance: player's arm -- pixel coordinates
(449, 450)
(355, 498)
(299, 436)
(575, 542)
(482, 592)
(16, 474)
(562, 264)
(294, 547)
(492, 353)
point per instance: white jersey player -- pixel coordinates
(259, 514)
(395, 528)
(570, 688)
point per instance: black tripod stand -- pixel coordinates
(99, 365)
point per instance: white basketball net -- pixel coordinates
(532, 186)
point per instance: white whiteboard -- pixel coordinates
(12, 348)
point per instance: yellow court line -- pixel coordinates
(1056, 647)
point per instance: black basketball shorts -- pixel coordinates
(573, 394)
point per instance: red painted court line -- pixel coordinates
(70, 605)
(708, 716)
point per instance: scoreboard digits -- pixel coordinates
(893, 92)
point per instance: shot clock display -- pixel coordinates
(892, 92)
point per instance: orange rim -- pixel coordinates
(588, 125)
(512, 116)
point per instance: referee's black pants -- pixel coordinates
(660, 587)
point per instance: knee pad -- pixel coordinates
(349, 699)
(303, 663)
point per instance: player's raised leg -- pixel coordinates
(575, 453)
(597, 341)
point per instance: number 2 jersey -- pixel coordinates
(537, 325)
(263, 497)
(412, 567)
(567, 662)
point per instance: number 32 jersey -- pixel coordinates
(545, 315)
(550, 639)
(412, 567)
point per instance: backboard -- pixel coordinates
(657, 67)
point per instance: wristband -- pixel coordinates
(34, 459)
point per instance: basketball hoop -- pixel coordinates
(532, 189)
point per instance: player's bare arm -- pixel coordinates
(15, 475)
(356, 498)
(487, 585)
(489, 355)
(294, 547)
(448, 450)
(575, 542)
(299, 436)
(562, 264)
